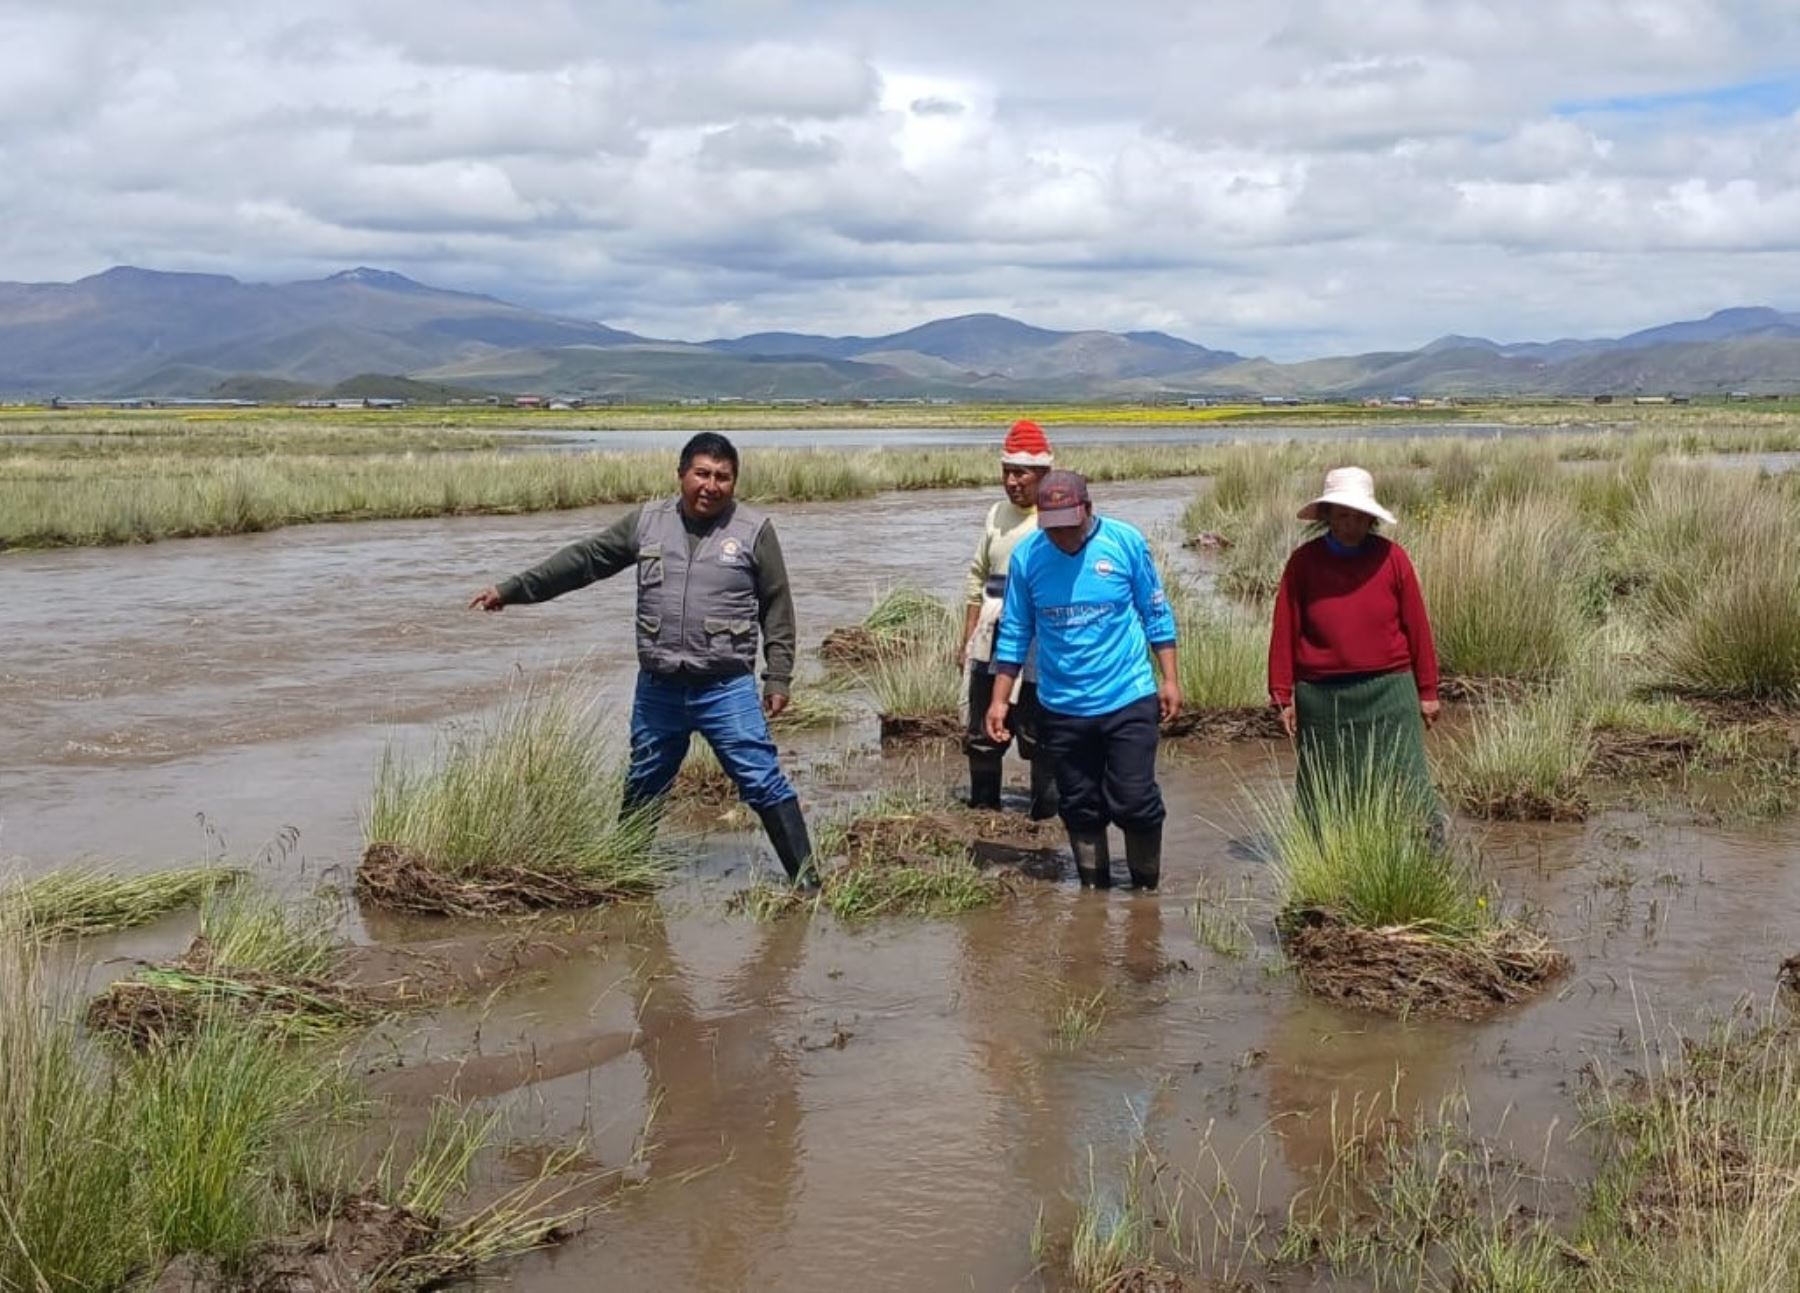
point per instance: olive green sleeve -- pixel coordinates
(775, 610)
(578, 565)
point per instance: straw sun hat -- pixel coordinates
(1350, 487)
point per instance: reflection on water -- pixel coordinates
(876, 1107)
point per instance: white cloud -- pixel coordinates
(1283, 175)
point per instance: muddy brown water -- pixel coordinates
(880, 1106)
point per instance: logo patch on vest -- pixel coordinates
(1103, 568)
(731, 553)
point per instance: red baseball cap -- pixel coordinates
(1062, 496)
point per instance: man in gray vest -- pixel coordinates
(709, 576)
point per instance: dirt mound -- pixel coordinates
(366, 1244)
(403, 880)
(1481, 691)
(1529, 806)
(1636, 754)
(1143, 1279)
(922, 727)
(987, 838)
(1238, 723)
(1400, 971)
(703, 783)
(171, 999)
(850, 645)
(1790, 974)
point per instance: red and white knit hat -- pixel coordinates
(1026, 446)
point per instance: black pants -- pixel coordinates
(1023, 720)
(1106, 767)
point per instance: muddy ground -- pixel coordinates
(878, 1107)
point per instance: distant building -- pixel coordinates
(1649, 399)
(1603, 399)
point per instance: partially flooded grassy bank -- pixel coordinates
(133, 482)
(220, 1158)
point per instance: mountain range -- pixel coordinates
(137, 332)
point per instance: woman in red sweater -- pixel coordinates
(1351, 664)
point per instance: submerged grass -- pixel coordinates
(903, 854)
(77, 901)
(521, 810)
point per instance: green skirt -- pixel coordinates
(1367, 727)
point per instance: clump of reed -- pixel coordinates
(1375, 911)
(1738, 638)
(1507, 590)
(254, 957)
(916, 687)
(1223, 658)
(111, 1164)
(1524, 760)
(85, 900)
(1698, 1155)
(520, 811)
(904, 854)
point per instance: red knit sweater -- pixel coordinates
(1359, 612)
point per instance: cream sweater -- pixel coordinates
(1005, 526)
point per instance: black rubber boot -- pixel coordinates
(1143, 857)
(1092, 863)
(1044, 798)
(985, 776)
(786, 826)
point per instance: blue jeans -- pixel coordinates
(666, 712)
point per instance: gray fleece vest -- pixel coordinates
(698, 614)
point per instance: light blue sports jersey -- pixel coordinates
(1094, 614)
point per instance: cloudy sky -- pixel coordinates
(1283, 177)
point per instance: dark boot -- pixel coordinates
(1043, 789)
(786, 826)
(1092, 862)
(1143, 857)
(985, 776)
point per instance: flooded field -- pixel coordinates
(811, 1105)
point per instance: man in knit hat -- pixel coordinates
(1085, 590)
(1024, 458)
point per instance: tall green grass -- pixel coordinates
(1507, 591)
(1523, 759)
(1360, 846)
(1739, 636)
(534, 787)
(918, 678)
(1223, 660)
(109, 1165)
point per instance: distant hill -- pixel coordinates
(139, 332)
(134, 331)
(993, 345)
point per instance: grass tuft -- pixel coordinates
(1523, 760)
(1505, 589)
(523, 810)
(79, 901)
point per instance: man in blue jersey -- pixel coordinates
(1087, 589)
